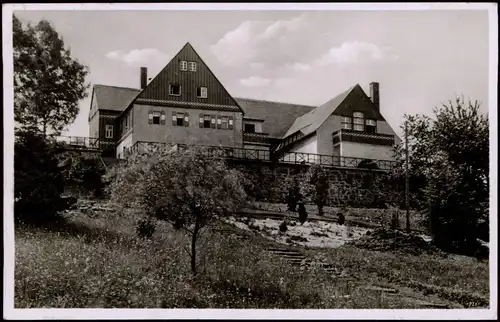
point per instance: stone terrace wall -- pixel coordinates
(348, 187)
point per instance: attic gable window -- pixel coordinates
(184, 65)
(192, 66)
(201, 92)
(347, 122)
(174, 89)
(371, 126)
(359, 121)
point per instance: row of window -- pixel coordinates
(175, 90)
(185, 65)
(182, 119)
(359, 123)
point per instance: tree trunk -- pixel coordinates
(193, 245)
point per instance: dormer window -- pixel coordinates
(184, 65)
(250, 128)
(192, 66)
(174, 89)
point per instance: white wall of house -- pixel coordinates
(325, 137)
(125, 143)
(367, 151)
(309, 145)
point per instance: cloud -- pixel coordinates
(269, 43)
(255, 81)
(138, 57)
(356, 52)
(257, 66)
(299, 67)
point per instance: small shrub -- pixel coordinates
(145, 228)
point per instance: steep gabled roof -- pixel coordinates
(113, 98)
(158, 89)
(277, 116)
(311, 121)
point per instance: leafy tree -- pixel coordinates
(48, 82)
(187, 189)
(38, 182)
(449, 166)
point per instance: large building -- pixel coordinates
(186, 104)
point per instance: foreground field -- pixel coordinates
(99, 262)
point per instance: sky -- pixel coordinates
(421, 59)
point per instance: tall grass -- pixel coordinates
(100, 263)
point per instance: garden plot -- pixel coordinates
(310, 234)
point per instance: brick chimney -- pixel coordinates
(374, 95)
(144, 77)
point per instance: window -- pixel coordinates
(201, 92)
(206, 121)
(184, 65)
(180, 119)
(371, 126)
(371, 122)
(156, 117)
(192, 66)
(230, 122)
(347, 122)
(359, 121)
(212, 122)
(358, 127)
(109, 131)
(250, 128)
(175, 89)
(224, 121)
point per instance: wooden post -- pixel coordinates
(407, 180)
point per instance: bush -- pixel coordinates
(38, 182)
(145, 228)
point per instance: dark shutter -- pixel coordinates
(212, 121)
(162, 118)
(150, 116)
(202, 119)
(218, 122)
(230, 125)
(186, 119)
(174, 118)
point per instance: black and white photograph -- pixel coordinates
(257, 160)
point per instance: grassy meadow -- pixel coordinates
(100, 262)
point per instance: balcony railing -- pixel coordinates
(256, 137)
(345, 135)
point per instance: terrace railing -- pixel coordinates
(334, 161)
(266, 156)
(79, 142)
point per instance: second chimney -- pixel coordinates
(374, 95)
(144, 77)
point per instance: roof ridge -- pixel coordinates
(120, 87)
(274, 102)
